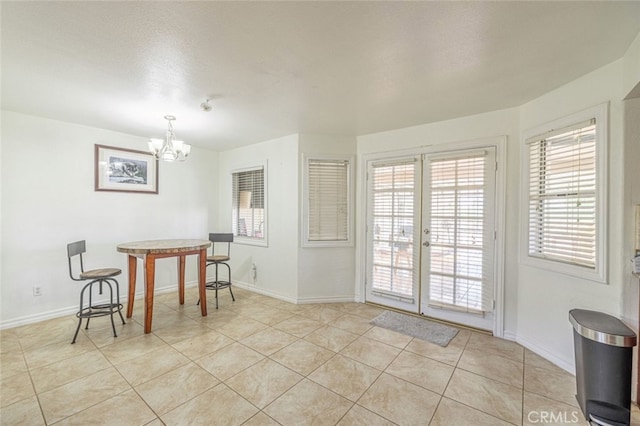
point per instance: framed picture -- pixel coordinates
(125, 170)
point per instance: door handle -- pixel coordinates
(426, 244)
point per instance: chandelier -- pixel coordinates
(169, 149)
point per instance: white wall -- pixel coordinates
(325, 273)
(545, 298)
(277, 265)
(497, 123)
(48, 200)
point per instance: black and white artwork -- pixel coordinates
(125, 170)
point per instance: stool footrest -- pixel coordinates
(99, 310)
(213, 285)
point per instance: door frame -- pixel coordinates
(500, 144)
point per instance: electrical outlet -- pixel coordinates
(37, 290)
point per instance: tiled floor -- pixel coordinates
(261, 361)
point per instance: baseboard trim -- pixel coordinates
(568, 366)
(70, 310)
(255, 289)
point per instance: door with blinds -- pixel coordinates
(458, 237)
(393, 233)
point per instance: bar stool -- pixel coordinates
(97, 277)
(220, 259)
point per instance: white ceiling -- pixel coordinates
(278, 68)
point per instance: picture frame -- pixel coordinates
(125, 170)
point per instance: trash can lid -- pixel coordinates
(602, 328)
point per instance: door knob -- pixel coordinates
(426, 244)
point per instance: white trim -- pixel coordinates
(600, 274)
(304, 220)
(568, 366)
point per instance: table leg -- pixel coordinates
(149, 280)
(202, 281)
(181, 263)
(133, 263)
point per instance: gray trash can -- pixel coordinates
(603, 350)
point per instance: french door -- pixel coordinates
(431, 235)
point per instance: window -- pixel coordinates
(565, 187)
(249, 205)
(327, 201)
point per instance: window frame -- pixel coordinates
(599, 273)
(252, 241)
(305, 242)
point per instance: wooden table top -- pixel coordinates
(175, 246)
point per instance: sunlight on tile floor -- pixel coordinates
(262, 361)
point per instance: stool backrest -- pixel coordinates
(74, 249)
(221, 238)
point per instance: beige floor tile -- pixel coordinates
(203, 344)
(345, 377)
(540, 410)
(68, 370)
(263, 382)
(298, 326)
(132, 348)
(43, 355)
(352, 323)
(104, 336)
(229, 360)
(496, 346)
(535, 360)
(302, 357)
(559, 386)
(12, 363)
(15, 388)
(261, 419)
(26, 412)
(368, 312)
(400, 401)
(332, 338)
(371, 352)
(241, 328)
(187, 329)
(9, 341)
(449, 354)
(47, 332)
(359, 416)
(495, 398)
(268, 315)
(389, 337)
(81, 394)
(308, 403)
(126, 408)
(268, 341)
(495, 367)
(166, 392)
(450, 413)
(219, 405)
(322, 314)
(156, 422)
(635, 415)
(151, 365)
(421, 371)
(215, 319)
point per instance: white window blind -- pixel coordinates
(562, 195)
(328, 198)
(248, 204)
(460, 235)
(393, 205)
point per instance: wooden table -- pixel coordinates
(149, 251)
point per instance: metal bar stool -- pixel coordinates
(98, 277)
(217, 260)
